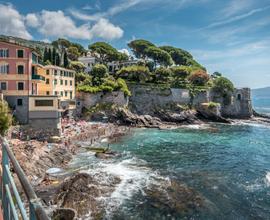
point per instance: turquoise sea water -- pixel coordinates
(227, 166)
(194, 172)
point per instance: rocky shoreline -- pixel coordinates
(41, 158)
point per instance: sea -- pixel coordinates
(211, 171)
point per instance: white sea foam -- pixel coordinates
(134, 177)
(267, 177)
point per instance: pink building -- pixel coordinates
(19, 85)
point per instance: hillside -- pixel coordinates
(29, 43)
(261, 93)
(261, 99)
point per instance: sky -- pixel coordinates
(229, 36)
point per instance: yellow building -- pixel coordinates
(58, 81)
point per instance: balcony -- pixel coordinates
(38, 77)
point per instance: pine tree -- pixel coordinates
(50, 55)
(54, 56)
(65, 60)
(57, 59)
(45, 55)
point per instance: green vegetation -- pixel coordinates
(223, 86)
(212, 105)
(100, 81)
(134, 73)
(5, 118)
(199, 78)
(106, 53)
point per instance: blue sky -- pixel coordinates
(229, 36)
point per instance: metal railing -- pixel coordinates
(12, 204)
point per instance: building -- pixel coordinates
(88, 61)
(19, 83)
(113, 67)
(59, 82)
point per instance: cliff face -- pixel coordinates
(146, 100)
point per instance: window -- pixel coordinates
(4, 53)
(55, 72)
(47, 93)
(3, 86)
(20, 86)
(239, 96)
(55, 82)
(19, 102)
(62, 93)
(55, 93)
(44, 102)
(48, 72)
(70, 93)
(66, 94)
(61, 82)
(20, 69)
(4, 68)
(20, 53)
(47, 81)
(71, 74)
(70, 82)
(61, 73)
(66, 82)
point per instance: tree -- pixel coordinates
(106, 53)
(135, 73)
(57, 59)
(54, 56)
(162, 75)
(99, 72)
(179, 56)
(223, 86)
(81, 77)
(199, 78)
(66, 62)
(180, 72)
(77, 66)
(45, 56)
(73, 53)
(159, 56)
(80, 48)
(5, 117)
(50, 55)
(62, 45)
(139, 47)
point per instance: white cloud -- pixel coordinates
(57, 24)
(104, 29)
(32, 20)
(12, 23)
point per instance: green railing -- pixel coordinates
(38, 77)
(12, 205)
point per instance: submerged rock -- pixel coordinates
(174, 200)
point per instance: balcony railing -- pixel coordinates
(38, 77)
(12, 204)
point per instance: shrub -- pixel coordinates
(181, 71)
(199, 78)
(223, 86)
(82, 78)
(99, 72)
(162, 75)
(213, 105)
(134, 73)
(5, 117)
